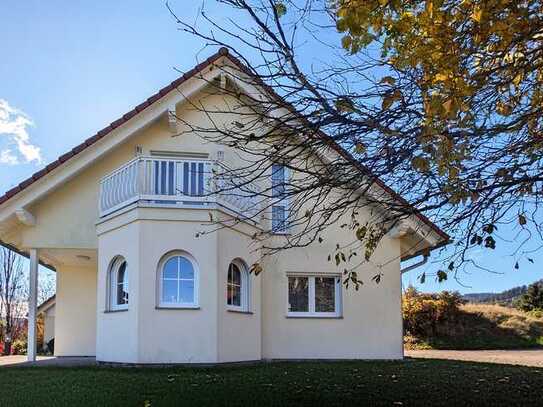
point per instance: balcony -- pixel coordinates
(176, 182)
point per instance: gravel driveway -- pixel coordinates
(532, 357)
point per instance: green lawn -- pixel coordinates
(413, 382)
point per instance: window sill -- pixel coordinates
(112, 311)
(314, 316)
(239, 311)
(166, 307)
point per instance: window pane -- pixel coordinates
(169, 291)
(298, 294)
(325, 294)
(171, 190)
(235, 296)
(186, 171)
(157, 183)
(170, 268)
(163, 175)
(234, 276)
(187, 271)
(228, 294)
(200, 179)
(278, 180)
(278, 218)
(122, 285)
(186, 290)
(193, 179)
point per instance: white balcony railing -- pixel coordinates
(182, 182)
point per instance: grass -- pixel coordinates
(485, 326)
(408, 383)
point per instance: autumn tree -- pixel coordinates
(532, 299)
(440, 100)
(12, 297)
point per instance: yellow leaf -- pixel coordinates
(477, 14)
(441, 77)
(430, 7)
(447, 105)
(503, 109)
(360, 148)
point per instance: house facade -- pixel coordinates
(145, 276)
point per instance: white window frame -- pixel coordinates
(113, 275)
(179, 305)
(245, 288)
(311, 313)
(284, 203)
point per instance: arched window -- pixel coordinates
(118, 284)
(178, 282)
(237, 286)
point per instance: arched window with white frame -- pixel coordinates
(178, 281)
(118, 285)
(238, 286)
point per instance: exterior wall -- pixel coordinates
(117, 333)
(370, 326)
(146, 333)
(48, 325)
(177, 335)
(75, 320)
(240, 336)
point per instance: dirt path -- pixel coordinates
(510, 357)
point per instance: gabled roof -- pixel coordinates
(223, 52)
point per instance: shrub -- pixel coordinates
(532, 299)
(18, 347)
(536, 313)
(422, 313)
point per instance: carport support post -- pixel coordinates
(32, 305)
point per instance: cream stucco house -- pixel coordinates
(117, 218)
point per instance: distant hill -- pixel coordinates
(505, 297)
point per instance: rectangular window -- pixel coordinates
(279, 205)
(314, 296)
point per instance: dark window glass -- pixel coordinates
(193, 174)
(325, 294)
(200, 179)
(298, 294)
(122, 285)
(186, 190)
(278, 180)
(278, 218)
(233, 289)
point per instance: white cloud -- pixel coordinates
(14, 125)
(7, 157)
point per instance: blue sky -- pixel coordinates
(69, 68)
